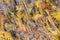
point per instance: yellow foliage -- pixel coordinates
(47, 0)
(37, 16)
(52, 32)
(18, 8)
(19, 15)
(57, 15)
(5, 35)
(30, 9)
(56, 38)
(37, 4)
